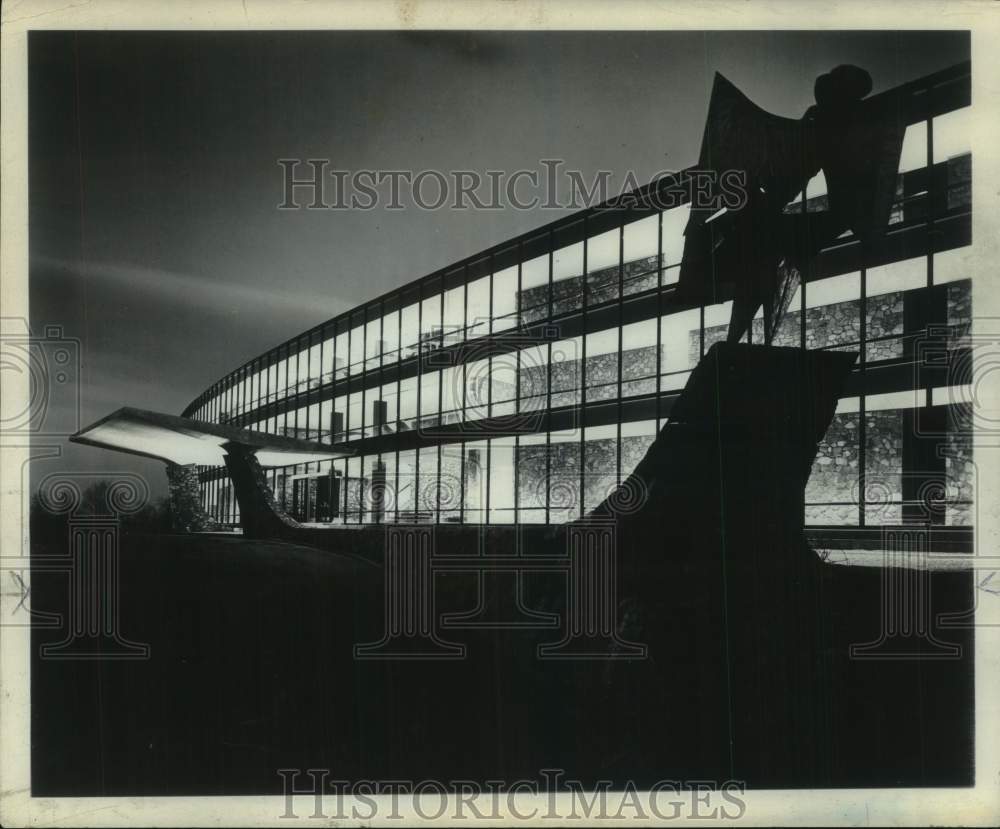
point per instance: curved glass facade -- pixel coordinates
(523, 384)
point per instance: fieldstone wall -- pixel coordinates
(601, 285)
(960, 469)
(638, 377)
(827, 326)
(959, 181)
(835, 472)
(960, 313)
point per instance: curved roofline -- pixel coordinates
(645, 199)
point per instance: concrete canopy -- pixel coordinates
(181, 440)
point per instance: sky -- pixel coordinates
(155, 237)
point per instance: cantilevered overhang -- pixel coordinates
(181, 440)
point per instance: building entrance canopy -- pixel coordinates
(181, 440)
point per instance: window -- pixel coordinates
(564, 476)
(680, 343)
(429, 401)
(503, 384)
(641, 257)
(477, 389)
(952, 134)
(567, 275)
(390, 338)
(602, 365)
(639, 358)
(532, 478)
(477, 309)
(505, 299)
(600, 464)
(454, 316)
(564, 371)
(534, 295)
(603, 253)
(410, 331)
(501, 489)
(474, 479)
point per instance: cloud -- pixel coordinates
(199, 292)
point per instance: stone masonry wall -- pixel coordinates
(827, 326)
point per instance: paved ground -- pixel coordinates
(252, 669)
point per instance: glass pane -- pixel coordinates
(429, 401)
(389, 500)
(477, 312)
(680, 347)
(603, 252)
(407, 403)
(564, 372)
(408, 335)
(532, 477)
(390, 338)
(674, 222)
(357, 348)
(832, 490)
(884, 467)
(953, 265)
(474, 482)
(477, 389)
(355, 416)
(600, 464)
(452, 383)
(501, 493)
(534, 296)
(340, 356)
(505, 299)
(355, 491)
(373, 344)
(602, 365)
(427, 489)
(641, 254)
(533, 372)
(431, 334)
(639, 358)
(564, 476)
(406, 499)
(952, 136)
(883, 326)
(326, 371)
(567, 274)
(390, 397)
(636, 438)
(833, 313)
(454, 316)
(960, 470)
(503, 383)
(450, 483)
(914, 155)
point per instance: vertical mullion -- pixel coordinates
(517, 397)
(659, 314)
(862, 429)
(932, 201)
(621, 345)
(581, 397)
(803, 275)
(347, 394)
(489, 394)
(460, 368)
(440, 406)
(420, 410)
(548, 395)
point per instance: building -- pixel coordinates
(522, 384)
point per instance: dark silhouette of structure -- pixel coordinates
(754, 254)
